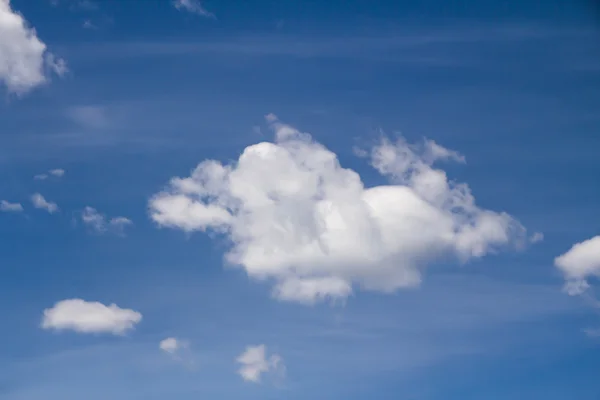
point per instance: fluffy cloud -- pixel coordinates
(255, 363)
(177, 349)
(579, 263)
(99, 223)
(57, 172)
(170, 345)
(7, 206)
(193, 6)
(294, 215)
(24, 61)
(40, 202)
(90, 317)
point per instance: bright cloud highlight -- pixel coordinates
(294, 215)
(40, 202)
(578, 264)
(255, 363)
(24, 61)
(90, 317)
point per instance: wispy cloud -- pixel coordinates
(89, 116)
(99, 223)
(412, 45)
(57, 172)
(7, 206)
(193, 6)
(40, 202)
(74, 5)
(593, 333)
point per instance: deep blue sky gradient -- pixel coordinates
(512, 85)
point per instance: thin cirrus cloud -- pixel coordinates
(90, 317)
(89, 116)
(57, 172)
(254, 363)
(579, 264)
(100, 223)
(192, 6)
(41, 203)
(295, 216)
(25, 62)
(7, 206)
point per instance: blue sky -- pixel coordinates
(136, 93)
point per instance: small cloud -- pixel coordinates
(56, 65)
(536, 237)
(170, 345)
(255, 363)
(57, 172)
(41, 203)
(178, 350)
(578, 264)
(90, 317)
(192, 6)
(6, 206)
(99, 223)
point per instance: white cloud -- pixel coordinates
(536, 237)
(58, 172)
(40, 202)
(579, 263)
(7, 206)
(295, 216)
(178, 350)
(193, 6)
(101, 224)
(90, 317)
(25, 62)
(255, 363)
(170, 345)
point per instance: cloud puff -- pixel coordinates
(99, 223)
(90, 317)
(178, 350)
(40, 202)
(255, 363)
(193, 6)
(579, 263)
(170, 345)
(57, 172)
(294, 215)
(7, 206)
(24, 61)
